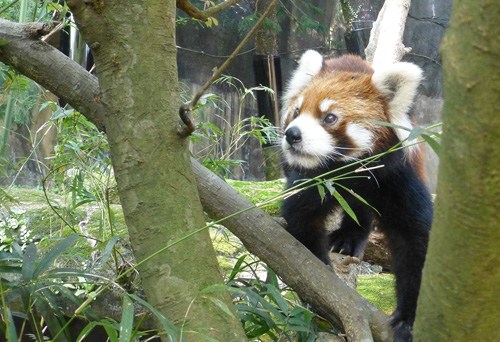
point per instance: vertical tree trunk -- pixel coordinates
(135, 54)
(460, 298)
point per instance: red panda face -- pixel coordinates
(331, 107)
(333, 119)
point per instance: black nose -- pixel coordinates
(293, 135)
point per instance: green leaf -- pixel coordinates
(111, 332)
(361, 199)
(169, 328)
(415, 133)
(433, 143)
(86, 330)
(388, 124)
(11, 333)
(215, 288)
(49, 258)
(321, 191)
(3, 42)
(126, 324)
(29, 259)
(329, 186)
(237, 267)
(221, 305)
(108, 249)
(277, 297)
(343, 203)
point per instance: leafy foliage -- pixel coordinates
(216, 145)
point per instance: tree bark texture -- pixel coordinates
(82, 94)
(459, 299)
(262, 235)
(386, 38)
(135, 55)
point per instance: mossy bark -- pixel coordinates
(135, 55)
(459, 299)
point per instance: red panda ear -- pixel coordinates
(310, 65)
(398, 83)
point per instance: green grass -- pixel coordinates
(379, 290)
(259, 192)
(46, 226)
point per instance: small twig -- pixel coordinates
(195, 12)
(187, 108)
(53, 31)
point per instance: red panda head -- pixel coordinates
(331, 107)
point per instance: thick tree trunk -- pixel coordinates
(459, 299)
(135, 55)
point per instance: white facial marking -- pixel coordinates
(325, 105)
(361, 136)
(315, 147)
(299, 101)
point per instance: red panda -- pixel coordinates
(330, 116)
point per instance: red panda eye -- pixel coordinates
(296, 112)
(330, 119)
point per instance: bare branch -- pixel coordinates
(23, 49)
(386, 38)
(195, 12)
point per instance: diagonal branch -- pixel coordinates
(186, 109)
(22, 48)
(260, 233)
(195, 12)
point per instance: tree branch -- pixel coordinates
(386, 38)
(307, 275)
(312, 280)
(187, 108)
(22, 48)
(195, 12)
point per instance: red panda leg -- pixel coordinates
(406, 221)
(311, 234)
(351, 237)
(304, 214)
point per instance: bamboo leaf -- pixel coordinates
(127, 321)
(415, 133)
(167, 326)
(277, 297)
(433, 143)
(361, 199)
(11, 333)
(49, 258)
(343, 203)
(321, 191)
(108, 249)
(221, 305)
(237, 267)
(29, 259)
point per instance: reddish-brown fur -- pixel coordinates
(347, 80)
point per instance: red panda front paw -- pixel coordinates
(347, 243)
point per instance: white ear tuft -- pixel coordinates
(398, 83)
(310, 65)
